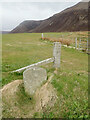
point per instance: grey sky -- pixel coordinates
(13, 13)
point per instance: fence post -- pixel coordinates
(42, 35)
(72, 40)
(87, 44)
(57, 54)
(76, 43)
(62, 37)
(79, 43)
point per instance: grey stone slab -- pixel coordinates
(57, 54)
(34, 78)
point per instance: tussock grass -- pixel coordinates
(67, 42)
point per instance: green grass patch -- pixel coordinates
(70, 82)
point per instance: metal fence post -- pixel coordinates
(57, 54)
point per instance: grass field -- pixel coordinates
(71, 81)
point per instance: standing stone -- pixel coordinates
(57, 54)
(33, 78)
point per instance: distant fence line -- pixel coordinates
(80, 43)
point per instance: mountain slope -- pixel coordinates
(26, 26)
(74, 18)
(71, 19)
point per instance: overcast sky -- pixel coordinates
(13, 13)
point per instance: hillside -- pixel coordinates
(26, 26)
(74, 18)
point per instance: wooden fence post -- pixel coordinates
(79, 43)
(72, 40)
(57, 54)
(42, 35)
(87, 44)
(76, 43)
(62, 37)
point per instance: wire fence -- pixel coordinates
(78, 41)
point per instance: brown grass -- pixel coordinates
(83, 34)
(67, 42)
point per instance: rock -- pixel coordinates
(34, 78)
(57, 54)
